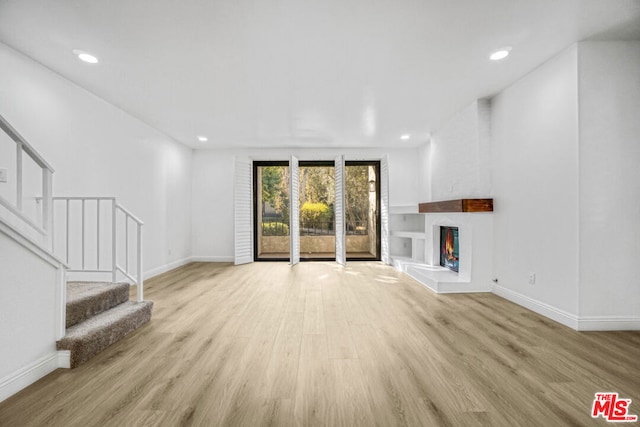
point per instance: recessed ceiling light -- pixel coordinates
(203, 138)
(405, 137)
(500, 54)
(86, 57)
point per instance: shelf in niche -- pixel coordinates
(458, 205)
(410, 234)
(403, 209)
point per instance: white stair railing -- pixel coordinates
(13, 203)
(97, 236)
(41, 226)
(31, 230)
(128, 218)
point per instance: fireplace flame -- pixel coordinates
(448, 247)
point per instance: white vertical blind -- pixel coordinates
(243, 217)
(384, 209)
(294, 212)
(341, 238)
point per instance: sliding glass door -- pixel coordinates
(337, 205)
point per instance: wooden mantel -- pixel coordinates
(459, 205)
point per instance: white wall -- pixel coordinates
(99, 150)
(212, 226)
(609, 180)
(28, 317)
(213, 205)
(424, 173)
(460, 165)
(535, 186)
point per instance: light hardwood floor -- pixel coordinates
(318, 344)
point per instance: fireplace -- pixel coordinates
(449, 248)
(465, 264)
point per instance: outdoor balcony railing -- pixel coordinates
(272, 227)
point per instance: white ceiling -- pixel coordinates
(302, 73)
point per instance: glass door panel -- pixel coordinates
(362, 210)
(271, 222)
(317, 204)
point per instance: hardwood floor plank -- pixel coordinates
(351, 401)
(317, 344)
(282, 371)
(314, 386)
(279, 413)
(291, 323)
(314, 313)
(339, 339)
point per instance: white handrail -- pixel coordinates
(19, 139)
(43, 224)
(129, 214)
(79, 255)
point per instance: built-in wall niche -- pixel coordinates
(408, 237)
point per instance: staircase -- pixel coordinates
(94, 236)
(98, 315)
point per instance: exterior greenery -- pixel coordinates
(275, 190)
(275, 228)
(315, 212)
(317, 198)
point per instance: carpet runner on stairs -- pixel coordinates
(98, 315)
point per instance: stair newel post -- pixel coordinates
(114, 261)
(61, 294)
(140, 290)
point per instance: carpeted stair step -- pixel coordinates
(93, 335)
(86, 299)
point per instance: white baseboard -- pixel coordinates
(184, 261)
(212, 259)
(601, 323)
(539, 307)
(82, 276)
(27, 375)
(579, 323)
(167, 267)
